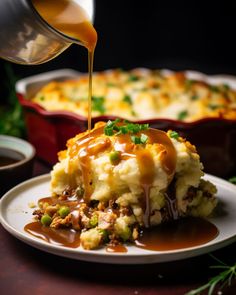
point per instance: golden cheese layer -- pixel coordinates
(140, 94)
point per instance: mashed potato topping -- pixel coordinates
(120, 178)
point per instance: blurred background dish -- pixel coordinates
(48, 131)
(16, 161)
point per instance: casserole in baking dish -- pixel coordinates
(214, 134)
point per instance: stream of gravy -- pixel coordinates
(70, 19)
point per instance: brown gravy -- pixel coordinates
(9, 156)
(63, 237)
(70, 18)
(116, 249)
(178, 234)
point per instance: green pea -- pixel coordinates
(46, 220)
(64, 211)
(105, 235)
(93, 220)
(126, 234)
(114, 157)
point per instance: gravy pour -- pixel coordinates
(69, 18)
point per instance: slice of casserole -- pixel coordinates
(121, 177)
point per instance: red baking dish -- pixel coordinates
(48, 131)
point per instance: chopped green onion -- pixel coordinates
(143, 138)
(117, 121)
(182, 115)
(109, 124)
(214, 88)
(133, 113)
(112, 128)
(123, 129)
(226, 86)
(144, 126)
(135, 128)
(109, 84)
(127, 98)
(188, 84)
(194, 97)
(108, 131)
(214, 106)
(116, 128)
(174, 134)
(135, 139)
(98, 104)
(133, 78)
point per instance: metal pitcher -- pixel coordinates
(26, 38)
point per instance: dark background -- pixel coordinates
(178, 35)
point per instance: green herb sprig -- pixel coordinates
(224, 278)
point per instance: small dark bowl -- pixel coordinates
(14, 173)
(214, 138)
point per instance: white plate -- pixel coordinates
(15, 214)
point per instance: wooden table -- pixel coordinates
(25, 270)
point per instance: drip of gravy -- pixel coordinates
(71, 19)
(171, 201)
(116, 248)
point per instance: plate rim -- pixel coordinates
(146, 257)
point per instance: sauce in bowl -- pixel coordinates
(9, 156)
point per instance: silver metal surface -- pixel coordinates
(25, 38)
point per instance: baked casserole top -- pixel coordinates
(140, 94)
